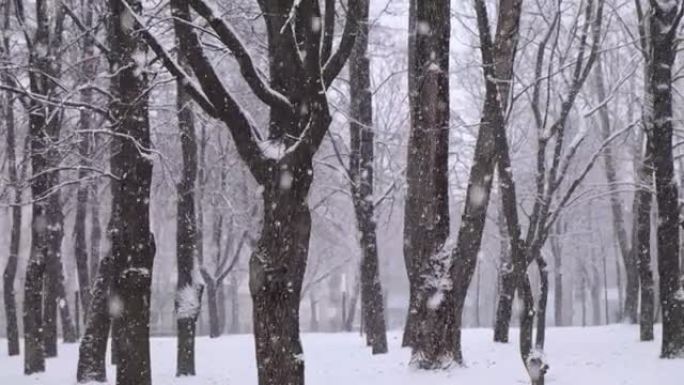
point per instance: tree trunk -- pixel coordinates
(498, 58)
(93, 349)
(40, 142)
(234, 306)
(212, 303)
(276, 285)
(188, 292)
(663, 53)
(641, 234)
(133, 245)
(426, 215)
(85, 151)
(506, 289)
(557, 250)
(10, 271)
(361, 172)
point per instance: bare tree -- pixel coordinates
(282, 163)
(132, 242)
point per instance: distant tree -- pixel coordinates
(361, 169)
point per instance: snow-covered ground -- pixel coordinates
(609, 355)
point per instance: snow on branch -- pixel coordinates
(171, 65)
(230, 38)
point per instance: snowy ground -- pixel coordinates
(603, 355)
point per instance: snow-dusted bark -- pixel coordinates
(664, 22)
(132, 242)
(426, 214)
(189, 289)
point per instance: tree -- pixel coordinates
(361, 175)
(282, 163)
(10, 271)
(85, 150)
(188, 291)
(663, 26)
(44, 266)
(132, 242)
(426, 213)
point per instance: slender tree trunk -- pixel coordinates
(498, 58)
(506, 288)
(10, 271)
(93, 349)
(361, 171)
(85, 150)
(641, 233)
(556, 250)
(188, 291)
(663, 53)
(133, 245)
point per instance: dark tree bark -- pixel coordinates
(557, 250)
(85, 150)
(641, 235)
(132, 242)
(40, 130)
(361, 173)
(10, 272)
(281, 164)
(188, 292)
(426, 214)
(93, 349)
(663, 26)
(498, 57)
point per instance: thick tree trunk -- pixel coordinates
(10, 272)
(426, 216)
(276, 285)
(93, 349)
(133, 245)
(663, 53)
(361, 171)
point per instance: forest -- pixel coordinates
(281, 192)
